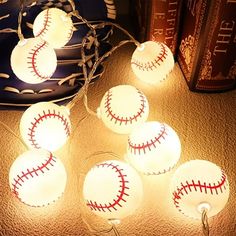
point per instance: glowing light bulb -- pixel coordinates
(199, 185)
(54, 26)
(153, 148)
(33, 60)
(37, 178)
(152, 62)
(112, 190)
(123, 108)
(45, 125)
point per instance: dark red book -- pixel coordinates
(207, 52)
(158, 20)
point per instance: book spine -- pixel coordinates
(207, 52)
(164, 18)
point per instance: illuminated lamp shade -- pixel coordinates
(152, 62)
(54, 26)
(153, 148)
(37, 178)
(199, 185)
(45, 125)
(112, 190)
(123, 108)
(33, 60)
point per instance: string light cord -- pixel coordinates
(72, 3)
(13, 133)
(114, 228)
(76, 14)
(205, 225)
(94, 231)
(100, 26)
(19, 31)
(89, 76)
(98, 153)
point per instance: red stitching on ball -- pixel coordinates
(46, 22)
(124, 120)
(45, 115)
(33, 59)
(137, 148)
(122, 193)
(153, 64)
(213, 188)
(30, 174)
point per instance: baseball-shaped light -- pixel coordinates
(37, 178)
(54, 26)
(199, 185)
(153, 148)
(112, 190)
(152, 62)
(123, 108)
(33, 60)
(45, 125)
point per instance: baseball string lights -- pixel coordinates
(45, 125)
(147, 62)
(153, 148)
(200, 189)
(32, 68)
(34, 176)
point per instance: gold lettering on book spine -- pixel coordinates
(164, 22)
(222, 40)
(224, 37)
(186, 49)
(207, 69)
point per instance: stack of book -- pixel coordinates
(200, 33)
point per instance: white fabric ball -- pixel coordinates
(152, 62)
(45, 125)
(123, 108)
(199, 184)
(54, 26)
(112, 190)
(153, 148)
(33, 60)
(37, 178)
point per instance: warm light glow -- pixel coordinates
(54, 26)
(123, 108)
(153, 148)
(112, 190)
(37, 178)
(45, 125)
(33, 60)
(152, 62)
(200, 184)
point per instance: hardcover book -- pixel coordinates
(157, 20)
(207, 52)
